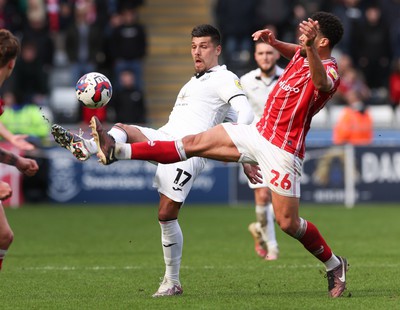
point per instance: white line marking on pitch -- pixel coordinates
(99, 268)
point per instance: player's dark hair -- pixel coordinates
(206, 30)
(9, 47)
(330, 26)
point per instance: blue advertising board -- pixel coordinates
(71, 181)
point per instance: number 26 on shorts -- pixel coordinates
(283, 182)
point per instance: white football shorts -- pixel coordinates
(281, 169)
(174, 180)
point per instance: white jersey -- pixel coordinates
(258, 87)
(203, 102)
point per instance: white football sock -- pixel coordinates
(261, 215)
(91, 146)
(123, 150)
(118, 134)
(172, 244)
(270, 229)
(332, 263)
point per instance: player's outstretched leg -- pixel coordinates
(337, 278)
(105, 142)
(70, 141)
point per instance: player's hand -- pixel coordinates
(253, 173)
(266, 35)
(5, 190)
(309, 30)
(27, 166)
(20, 142)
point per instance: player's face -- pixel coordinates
(302, 42)
(204, 53)
(266, 57)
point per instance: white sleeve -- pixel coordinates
(241, 106)
(231, 116)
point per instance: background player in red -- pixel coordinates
(276, 143)
(8, 53)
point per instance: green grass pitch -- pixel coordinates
(110, 257)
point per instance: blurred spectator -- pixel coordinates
(36, 30)
(123, 3)
(10, 18)
(394, 83)
(84, 42)
(352, 81)
(350, 13)
(86, 114)
(30, 79)
(277, 13)
(25, 118)
(128, 44)
(128, 101)
(235, 20)
(371, 47)
(354, 125)
(391, 12)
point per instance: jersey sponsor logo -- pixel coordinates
(285, 86)
(237, 83)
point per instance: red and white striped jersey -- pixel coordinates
(292, 104)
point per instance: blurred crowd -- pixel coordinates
(108, 36)
(82, 36)
(368, 55)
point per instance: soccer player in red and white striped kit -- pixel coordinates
(276, 143)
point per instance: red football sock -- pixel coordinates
(1, 262)
(164, 152)
(315, 244)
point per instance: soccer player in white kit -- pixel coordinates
(276, 143)
(257, 84)
(207, 99)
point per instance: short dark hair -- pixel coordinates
(330, 26)
(9, 47)
(206, 30)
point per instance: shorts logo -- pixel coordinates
(151, 143)
(283, 85)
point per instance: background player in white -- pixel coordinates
(276, 143)
(10, 48)
(202, 103)
(257, 84)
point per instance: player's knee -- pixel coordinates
(120, 125)
(168, 213)
(287, 225)
(6, 238)
(188, 142)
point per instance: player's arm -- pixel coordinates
(25, 165)
(287, 50)
(318, 72)
(241, 106)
